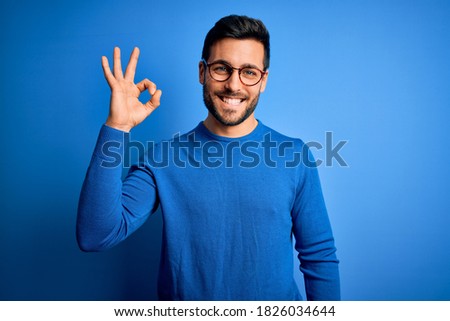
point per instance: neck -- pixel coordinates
(244, 128)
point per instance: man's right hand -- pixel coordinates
(125, 109)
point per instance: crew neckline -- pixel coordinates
(202, 128)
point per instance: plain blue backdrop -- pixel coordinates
(374, 73)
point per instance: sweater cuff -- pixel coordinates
(110, 143)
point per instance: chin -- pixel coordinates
(229, 110)
(231, 117)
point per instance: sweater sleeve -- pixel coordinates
(110, 209)
(314, 237)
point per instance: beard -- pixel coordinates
(228, 118)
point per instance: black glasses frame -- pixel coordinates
(263, 73)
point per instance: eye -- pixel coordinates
(220, 69)
(250, 73)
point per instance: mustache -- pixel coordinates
(230, 93)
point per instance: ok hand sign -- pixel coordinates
(125, 109)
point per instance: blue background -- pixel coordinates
(375, 73)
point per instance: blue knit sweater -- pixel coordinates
(230, 207)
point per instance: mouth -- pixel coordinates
(232, 101)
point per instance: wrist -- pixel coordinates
(123, 128)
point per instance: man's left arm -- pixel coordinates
(314, 238)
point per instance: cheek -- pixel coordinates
(255, 92)
(209, 90)
(213, 88)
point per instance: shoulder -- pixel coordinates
(293, 148)
(279, 138)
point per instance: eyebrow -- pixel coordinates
(242, 66)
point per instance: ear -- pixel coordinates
(264, 82)
(201, 72)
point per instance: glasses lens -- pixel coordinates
(250, 76)
(220, 72)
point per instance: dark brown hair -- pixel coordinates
(238, 27)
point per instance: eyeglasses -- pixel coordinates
(221, 71)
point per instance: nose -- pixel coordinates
(233, 83)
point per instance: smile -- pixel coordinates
(232, 101)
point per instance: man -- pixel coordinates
(232, 191)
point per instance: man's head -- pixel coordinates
(234, 68)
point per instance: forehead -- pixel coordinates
(238, 52)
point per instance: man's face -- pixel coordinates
(231, 102)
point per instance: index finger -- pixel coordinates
(132, 63)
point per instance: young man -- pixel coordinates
(232, 191)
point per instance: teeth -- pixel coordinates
(232, 101)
